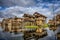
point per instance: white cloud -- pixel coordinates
(57, 11)
(19, 11)
(18, 2)
(0, 7)
(19, 7)
(1, 19)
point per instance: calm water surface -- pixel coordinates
(8, 36)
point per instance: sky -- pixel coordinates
(10, 8)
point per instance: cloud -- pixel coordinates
(57, 11)
(19, 11)
(0, 7)
(25, 3)
(19, 7)
(18, 2)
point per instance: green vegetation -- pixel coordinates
(34, 27)
(31, 27)
(45, 25)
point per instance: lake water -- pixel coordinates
(8, 36)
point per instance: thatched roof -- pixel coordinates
(36, 14)
(28, 15)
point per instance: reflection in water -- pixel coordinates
(1, 29)
(51, 35)
(7, 36)
(50, 32)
